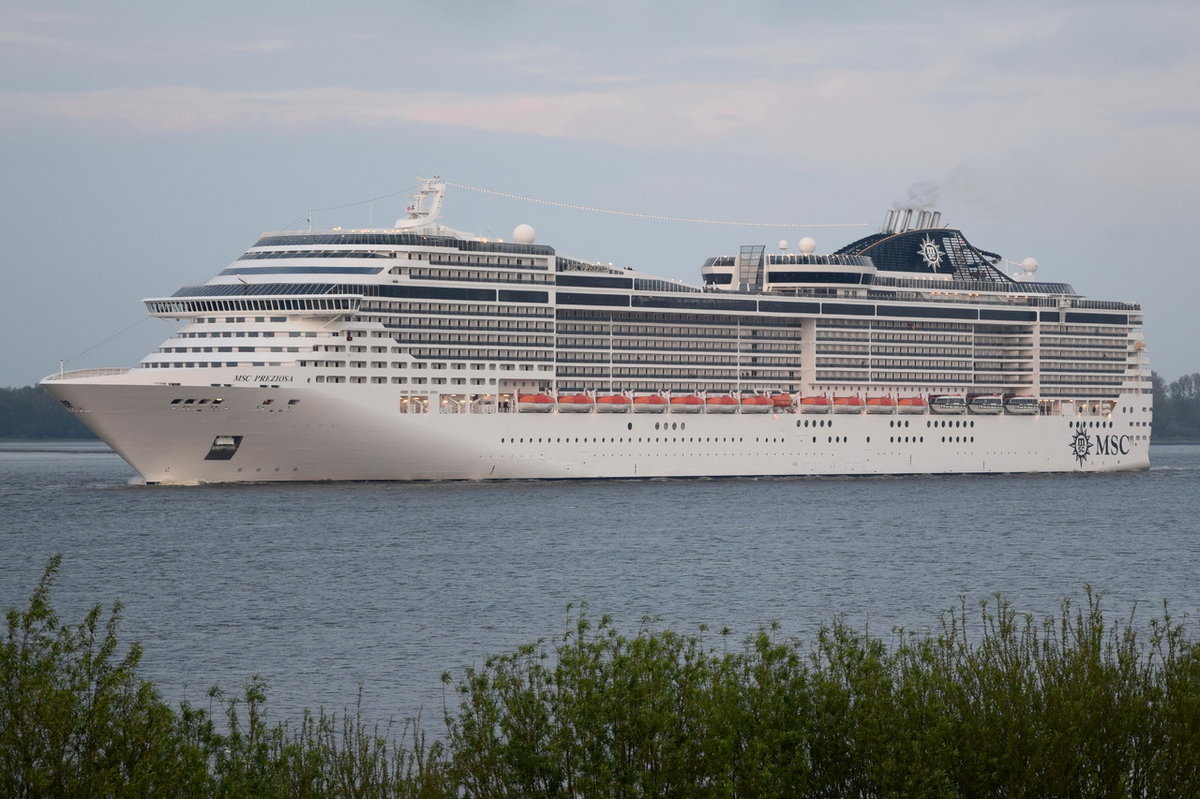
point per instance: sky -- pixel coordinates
(145, 145)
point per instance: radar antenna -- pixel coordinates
(418, 214)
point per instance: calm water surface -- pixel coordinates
(322, 587)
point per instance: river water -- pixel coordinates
(322, 588)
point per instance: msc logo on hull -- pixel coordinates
(1083, 445)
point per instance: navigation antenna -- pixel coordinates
(417, 214)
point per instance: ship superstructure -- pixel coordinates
(419, 352)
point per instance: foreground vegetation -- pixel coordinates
(990, 704)
(31, 413)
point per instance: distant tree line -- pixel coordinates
(31, 413)
(1177, 409)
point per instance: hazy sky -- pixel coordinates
(144, 145)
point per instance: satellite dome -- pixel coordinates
(1029, 266)
(783, 245)
(524, 234)
(806, 245)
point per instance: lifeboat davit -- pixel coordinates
(612, 403)
(721, 403)
(819, 404)
(575, 403)
(986, 403)
(847, 404)
(911, 405)
(952, 404)
(534, 403)
(687, 403)
(881, 405)
(1022, 406)
(649, 403)
(756, 404)
(781, 402)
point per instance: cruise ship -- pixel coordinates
(419, 352)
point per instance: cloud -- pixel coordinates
(945, 91)
(265, 46)
(874, 116)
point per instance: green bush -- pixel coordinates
(75, 720)
(988, 705)
(1068, 706)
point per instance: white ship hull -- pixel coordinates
(356, 432)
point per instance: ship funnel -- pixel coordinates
(889, 221)
(936, 219)
(923, 220)
(905, 218)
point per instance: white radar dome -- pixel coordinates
(1029, 266)
(806, 245)
(783, 245)
(524, 234)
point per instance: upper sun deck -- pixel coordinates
(379, 243)
(923, 261)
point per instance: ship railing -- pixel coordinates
(975, 286)
(1107, 305)
(76, 373)
(547, 280)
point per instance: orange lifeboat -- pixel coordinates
(721, 403)
(649, 403)
(850, 404)
(534, 403)
(781, 401)
(818, 404)
(756, 403)
(881, 405)
(911, 405)
(612, 403)
(575, 403)
(687, 403)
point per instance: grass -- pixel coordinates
(993, 703)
